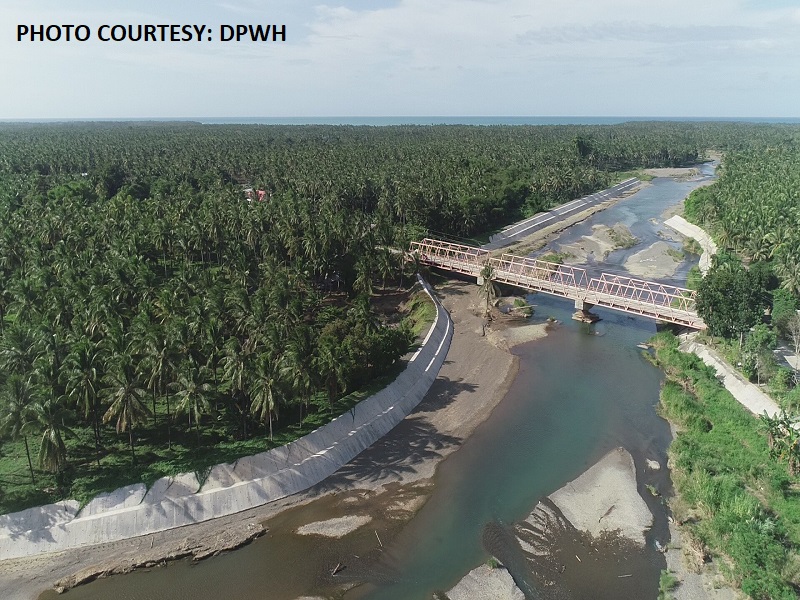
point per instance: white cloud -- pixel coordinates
(429, 57)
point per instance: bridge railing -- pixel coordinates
(647, 292)
(539, 274)
(456, 257)
(655, 300)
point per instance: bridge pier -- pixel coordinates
(582, 312)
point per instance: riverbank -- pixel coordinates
(694, 232)
(593, 524)
(540, 238)
(472, 381)
(474, 378)
(734, 505)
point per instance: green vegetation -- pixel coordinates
(666, 583)
(641, 175)
(488, 289)
(747, 315)
(676, 255)
(692, 246)
(730, 298)
(693, 278)
(174, 295)
(622, 238)
(752, 210)
(735, 500)
(757, 362)
(753, 213)
(421, 313)
(556, 257)
(522, 307)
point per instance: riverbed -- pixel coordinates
(579, 393)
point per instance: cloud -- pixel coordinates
(378, 57)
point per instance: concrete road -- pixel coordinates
(517, 231)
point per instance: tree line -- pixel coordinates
(751, 295)
(146, 297)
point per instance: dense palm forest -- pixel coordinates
(738, 480)
(171, 289)
(754, 209)
(753, 212)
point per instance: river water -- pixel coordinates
(580, 392)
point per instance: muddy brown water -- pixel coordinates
(579, 393)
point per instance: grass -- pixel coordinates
(522, 307)
(676, 255)
(622, 238)
(84, 479)
(653, 490)
(421, 313)
(778, 379)
(556, 257)
(623, 175)
(692, 246)
(735, 502)
(693, 278)
(666, 583)
(493, 563)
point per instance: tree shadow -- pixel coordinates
(455, 289)
(442, 393)
(549, 559)
(34, 524)
(412, 442)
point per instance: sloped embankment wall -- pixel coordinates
(249, 482)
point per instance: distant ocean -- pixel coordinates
(386, 121)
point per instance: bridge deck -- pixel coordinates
(650, 299)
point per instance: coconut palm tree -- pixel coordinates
(19, 349)
(297, 364)
(79, 374)
(488, 290)
(49, 416)
(193, 394)
(16, 417)
(266, 390)
(127, 396)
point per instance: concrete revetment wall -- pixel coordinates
(249, 482)
(687, 229)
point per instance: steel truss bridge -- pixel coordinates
(617, 292)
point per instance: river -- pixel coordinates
(580, 392)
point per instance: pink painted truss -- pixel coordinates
(618, 292)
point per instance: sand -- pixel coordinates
(597, 245)
(707, 585)
(605, 499)
(486, 583)
(680, 173)
(335, 528)
(653, 262)
(506, 337)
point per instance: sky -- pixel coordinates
(690, 58)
